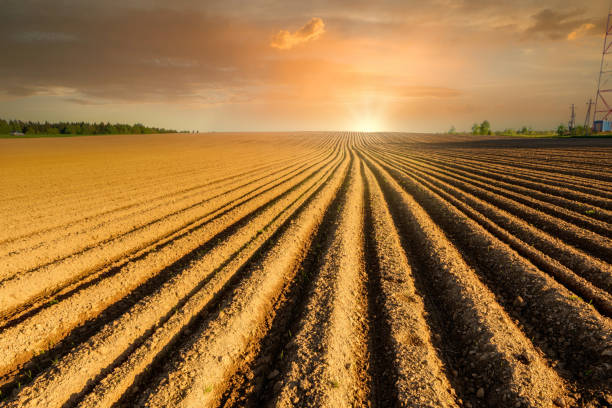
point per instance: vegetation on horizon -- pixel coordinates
(484, 128)
(75, 128)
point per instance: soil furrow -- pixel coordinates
(184, 217)
(595, 217)
(4, 244)
(569, 171)
(514, 231)
(210, 355)
(487, 350)
(532, 185)
(584, 217)
(127, 192)
(178, 301)
(101, 229)
(589, 186)
(408, 370)
(562, 261)
(252, 383)
(569, 329)
(306, 269)
(325, 361)
(36, 332)
(72, 269)
(585, 240)
(159, 344)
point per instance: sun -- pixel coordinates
(368, 116)
(368, 126)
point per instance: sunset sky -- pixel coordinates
(260, 65)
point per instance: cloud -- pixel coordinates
(284, 40)
(558, 26)
(51, 37)
(580, 32)
(430, 92)
(84, 102)
(37, 90)
(154, 55)
(407, 53)
(171, 62)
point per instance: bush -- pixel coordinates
(561, 130)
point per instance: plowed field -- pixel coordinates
(306, 269)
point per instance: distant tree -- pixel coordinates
(485, 128)
(76, 128)
(475, 129)
(579, 131)
(561, 130)
(16, 126)
(138, 128)
(452, 130)
(72, 129)
(5, 128)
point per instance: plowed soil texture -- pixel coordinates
(305, 270)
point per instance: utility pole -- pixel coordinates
(587, 120)
(603, 110)
(572, 121)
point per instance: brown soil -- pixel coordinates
(305, 269)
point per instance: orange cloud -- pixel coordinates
(284, 40)
(580, 31)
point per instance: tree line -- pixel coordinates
(76, 128)
(484, 128)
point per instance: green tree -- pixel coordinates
(578, 131)
(138, 128)
(5, 129)
(452, 130)
(485, 128)
(16, 126)
(76, 128)
(72, 129)
(561, 130)
(475, 129)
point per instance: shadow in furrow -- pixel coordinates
(382, 368)
(217, 303)
(439, 319)
(253, 383)
(14, 380)
(87, 278)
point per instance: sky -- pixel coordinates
(282, 65)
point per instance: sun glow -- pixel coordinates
(368, 126)
(368, 117)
